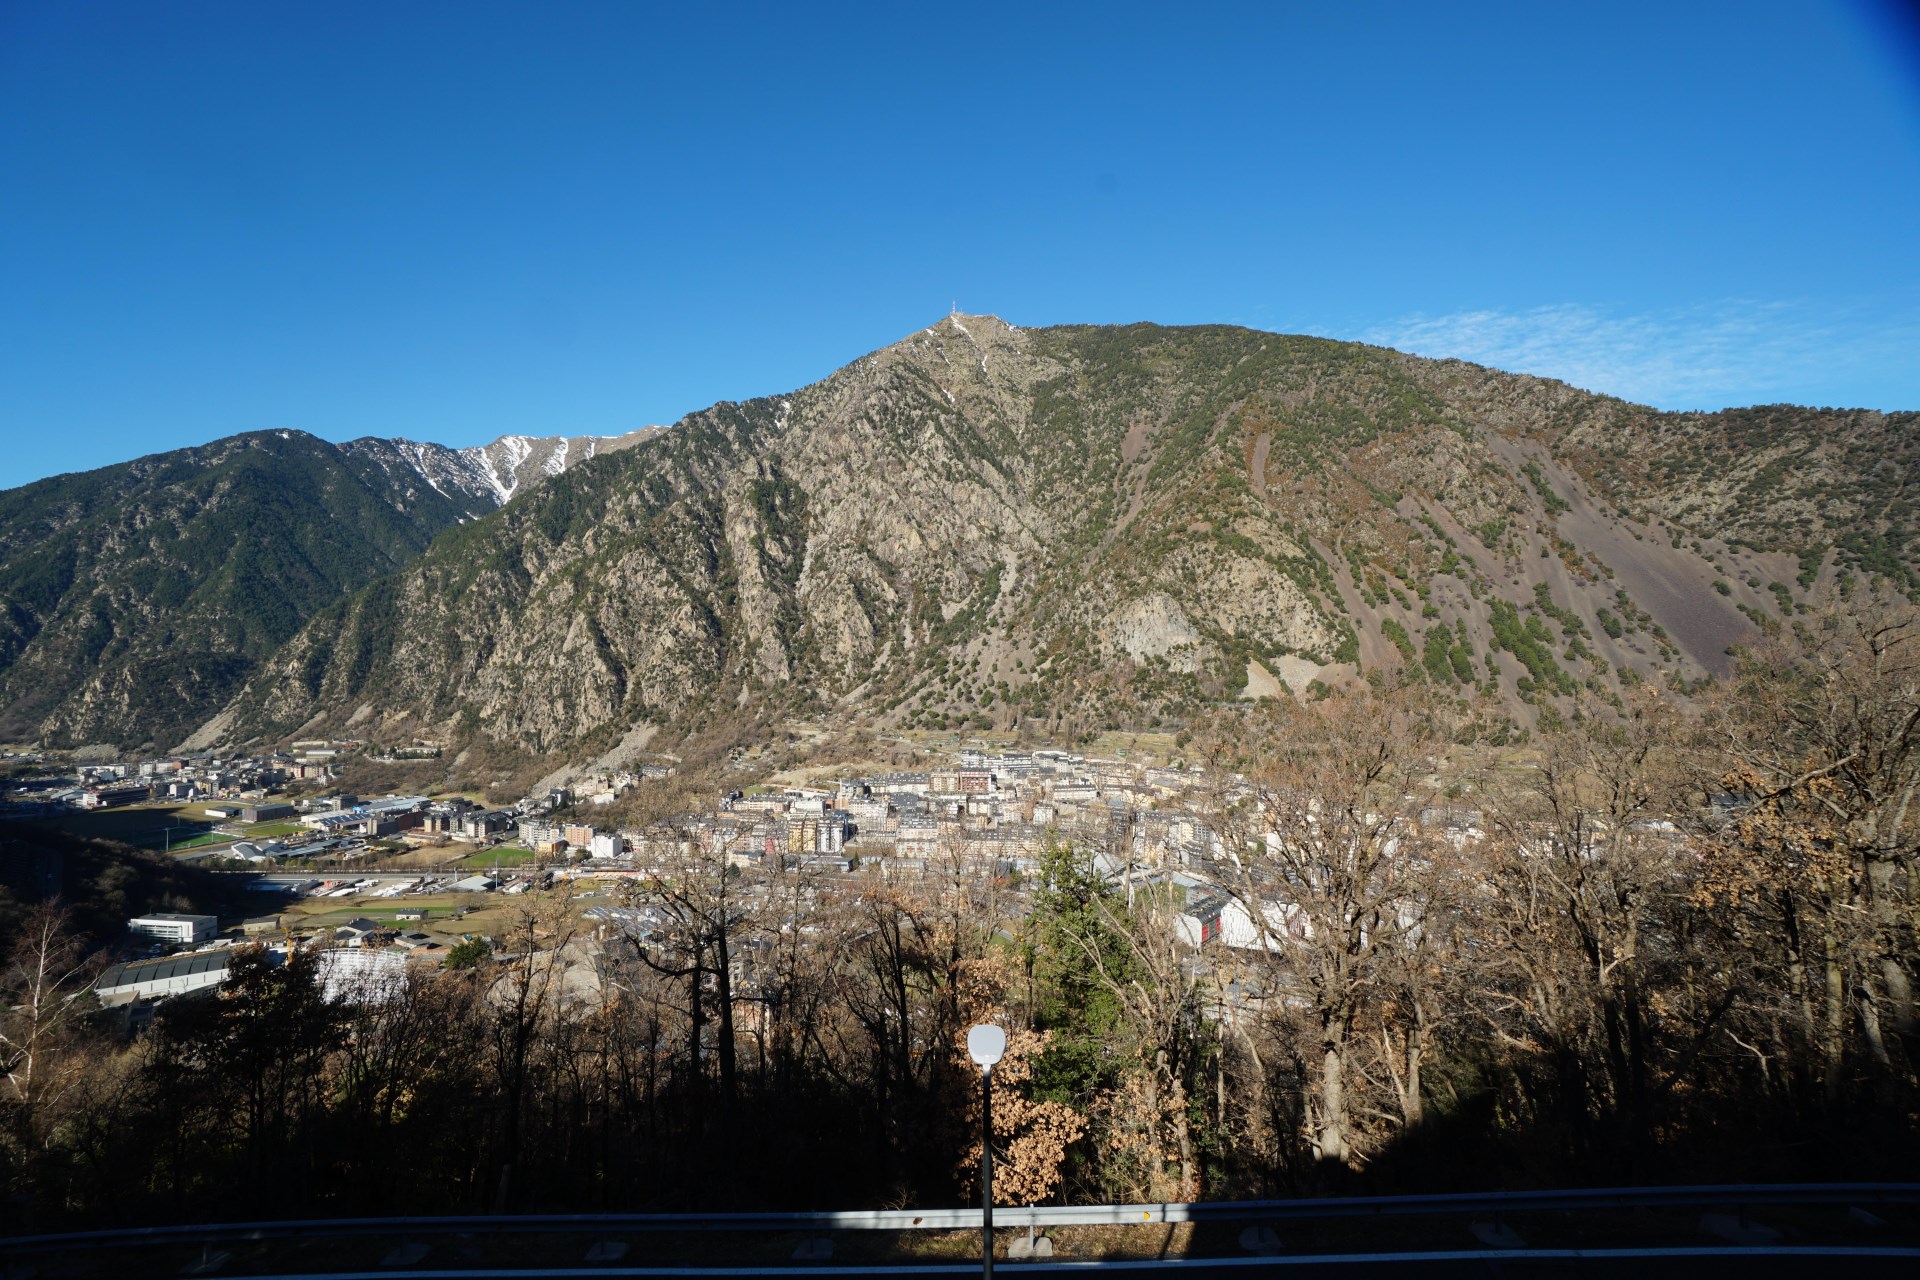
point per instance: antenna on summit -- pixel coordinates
(953, 309)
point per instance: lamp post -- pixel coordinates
(986, 1044)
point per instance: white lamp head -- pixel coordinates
(986, 1044)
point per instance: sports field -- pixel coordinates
(151, 826)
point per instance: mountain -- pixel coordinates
(1085, 526)
(136, 599)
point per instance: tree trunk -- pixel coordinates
(696, 1073)
(1870, 1027)
(1220, 1097)
(723, 972)
(1889, 930)
(1412, 1107)
(1899, 996)
(1334, 1145)
(1832, 1038)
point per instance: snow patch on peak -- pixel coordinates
(502, 460)
(457, 474)
(416, 454)
(490, 475)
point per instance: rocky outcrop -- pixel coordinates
(1155, 627)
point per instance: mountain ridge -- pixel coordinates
(1081, 526)
(135, 598)
(1056, 528)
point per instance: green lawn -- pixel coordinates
(507, 855)
(190, 842)
(132, 823)
(268, 830)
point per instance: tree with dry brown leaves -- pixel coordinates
(1337, 885)
(1814, 768)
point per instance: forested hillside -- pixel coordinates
(135, 599)
(99, 883)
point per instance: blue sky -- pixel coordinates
(455, 221)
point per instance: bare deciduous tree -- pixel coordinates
(42, 1004)
(1336, 879)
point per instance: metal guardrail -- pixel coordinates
(1855, 1194)
(1259, 1265)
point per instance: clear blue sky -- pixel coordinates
(455, 221)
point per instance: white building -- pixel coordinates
(173, 929)
(362, 977)
(1283, 922)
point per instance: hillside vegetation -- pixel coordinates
(136, 599)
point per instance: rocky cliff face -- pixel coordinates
(136, 599)
(1082, 526)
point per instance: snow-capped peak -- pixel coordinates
(492, 474)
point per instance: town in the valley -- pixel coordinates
(383, 886)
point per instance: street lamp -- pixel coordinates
(986, 1044)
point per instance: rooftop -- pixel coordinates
(125, 975)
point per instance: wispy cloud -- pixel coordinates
(1725, 353)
